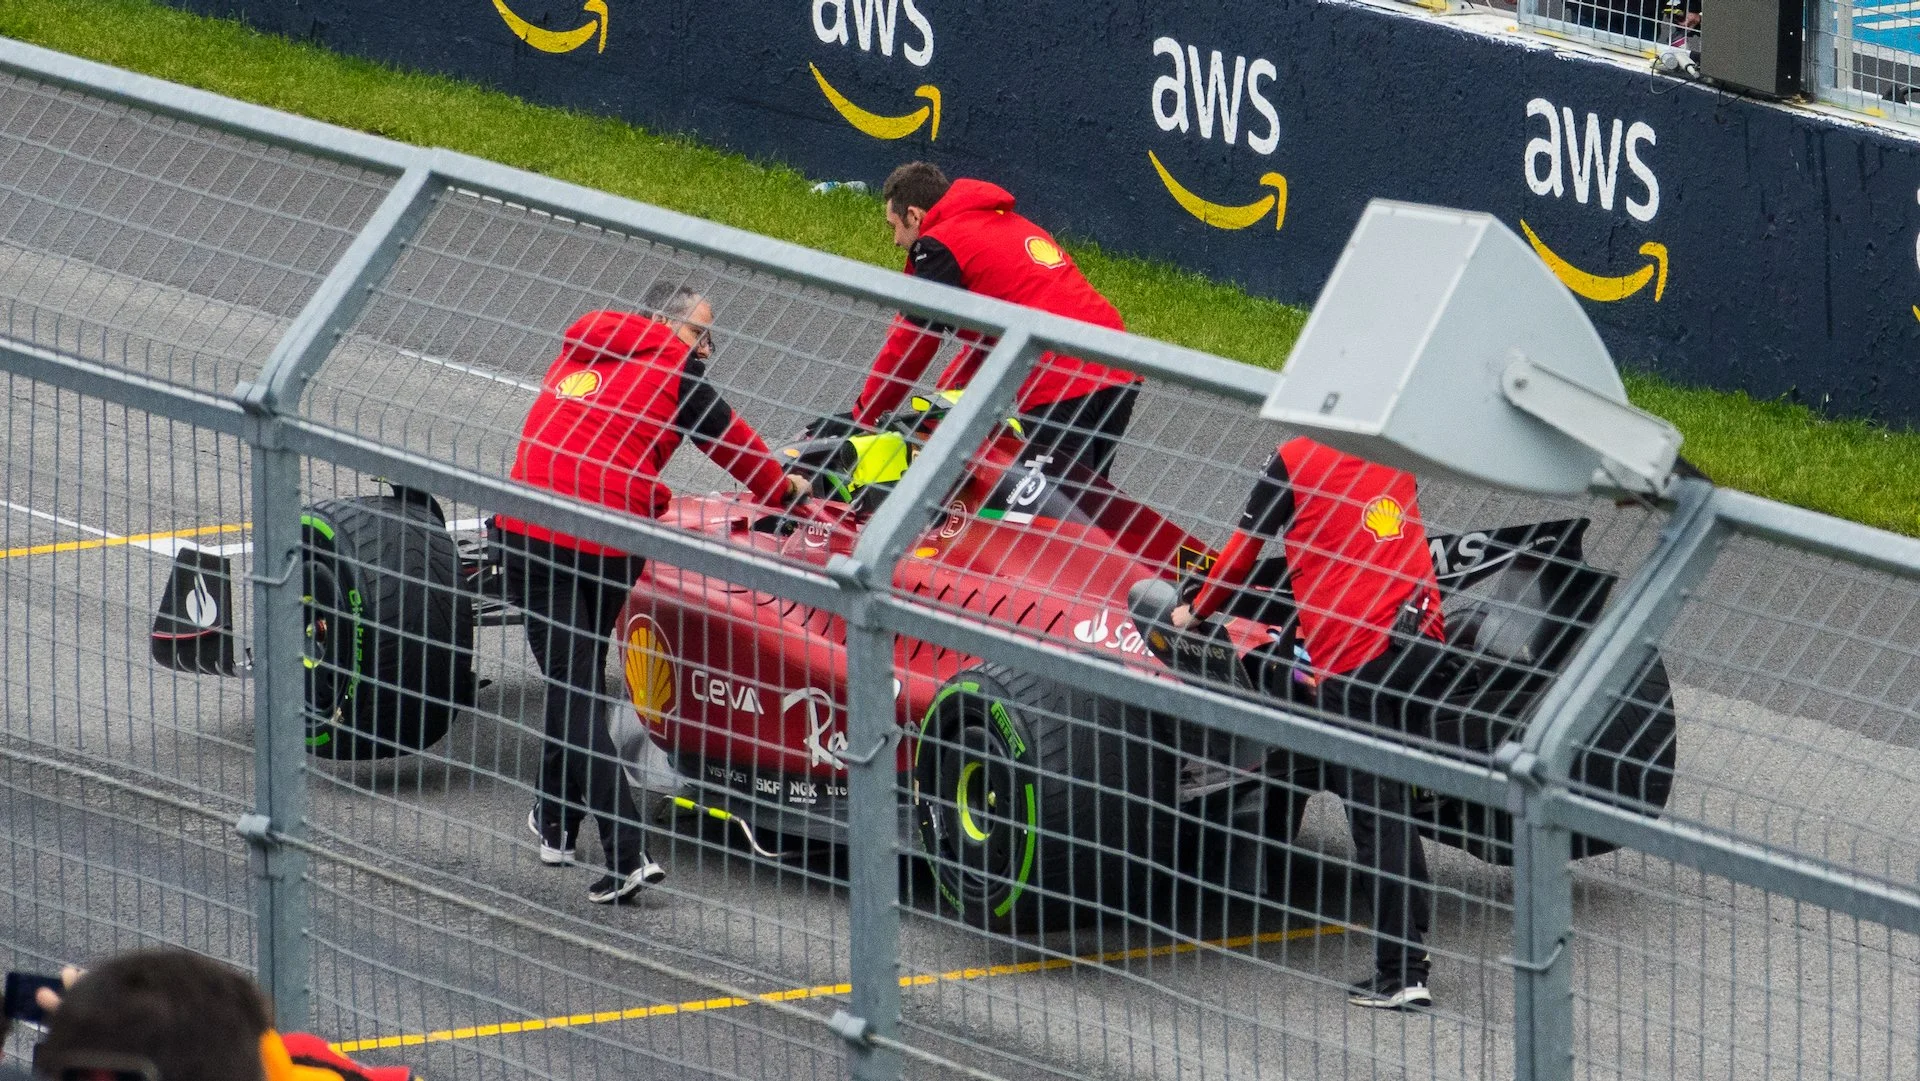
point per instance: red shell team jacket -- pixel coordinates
(972, 238)
(1355, 548)
(613, 407)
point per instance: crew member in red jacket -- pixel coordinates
(1369, 618)
(965, 233)
(616, 403)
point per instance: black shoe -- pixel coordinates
(611, 889)
(556, 848)
(1392, 991)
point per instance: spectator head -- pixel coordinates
(187, 1017)
(683, 308)
(910, 191)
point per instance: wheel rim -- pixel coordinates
(977, 843)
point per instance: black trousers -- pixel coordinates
(1086, 429)
(572, 600)
(1392, 691)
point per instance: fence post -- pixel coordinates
(1540, 766)
(279, 583)
(873, 729)
(1542, 932)
(279, 739)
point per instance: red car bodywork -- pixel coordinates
(751, 697)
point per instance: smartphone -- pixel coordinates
(22, 987)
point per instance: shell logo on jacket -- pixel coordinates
(1385, 518)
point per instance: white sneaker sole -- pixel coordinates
(1405, 1000)
(649, 874)
(549, 855)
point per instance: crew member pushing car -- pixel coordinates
(1369, 619)
(964, 233)
(615, 404)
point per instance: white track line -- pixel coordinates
(57, 520)
(468, 369)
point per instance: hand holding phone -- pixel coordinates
(22, 996)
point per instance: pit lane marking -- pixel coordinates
(152, 542)
(829, 990)
(166, 543)
(55, 518)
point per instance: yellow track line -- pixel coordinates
(121, 542)
(958, 975)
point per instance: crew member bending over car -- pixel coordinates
(616, 403)
(964, 233)
(1369, 620)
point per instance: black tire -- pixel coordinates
(389, 630)
(1033, 801)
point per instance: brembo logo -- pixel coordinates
(1571, 155)
(879, 26)
(1200, 94)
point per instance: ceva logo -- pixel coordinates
(876, 25)
(559, 41)
(1201, 96)
(1585, 163)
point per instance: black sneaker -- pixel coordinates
(612, 889)
(556, 848)
(1392, 991)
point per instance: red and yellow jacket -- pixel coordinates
(299, 1056)
(613, 408)
(1356, 551)
(972, 239)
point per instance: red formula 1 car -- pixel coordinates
(1031, 798)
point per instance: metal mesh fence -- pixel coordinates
(1683, 974)
(157, 246)
(99, 500)
(1863, 55)
(1638, 26)
(1112, 845)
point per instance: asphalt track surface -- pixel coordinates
(1795, 683)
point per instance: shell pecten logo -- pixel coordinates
(650, 674)
(579, 384)
(1385, 518)
(559, 41)
(1045, 252)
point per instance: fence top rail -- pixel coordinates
(1812, 531)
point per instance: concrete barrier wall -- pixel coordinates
(1720, 241)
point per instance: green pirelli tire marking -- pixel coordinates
(318, 525)
(1026, 856)
(933, 707)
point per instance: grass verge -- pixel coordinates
(1846, 468)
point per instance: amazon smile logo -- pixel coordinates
(884, 127)
(1227, 217)
(559, 41)
(878, 26)
(1602, 287)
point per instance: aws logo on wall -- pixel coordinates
(879, 26)
(1205, 95)
(1580, 158)
(559, 41)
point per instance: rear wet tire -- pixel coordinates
(389, 631)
